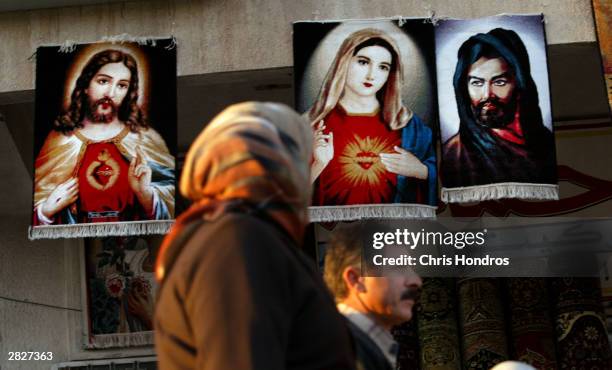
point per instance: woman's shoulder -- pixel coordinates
(221, 242)
(235, 230)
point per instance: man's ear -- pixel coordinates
(353, 279)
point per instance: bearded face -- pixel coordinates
(492, 91)
(102, 110)
(494, 113)
(106, 91)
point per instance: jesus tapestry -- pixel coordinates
(105, 133)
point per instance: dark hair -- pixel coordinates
(344, 250)
(483, 50)
(377, 41)
(508, 45)
(129, 112)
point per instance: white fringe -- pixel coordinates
(499, 191)
(362, 211)
(124, 37)
(100, 229)
(69, 46)
(143, 338)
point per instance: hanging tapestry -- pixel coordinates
(437, 325)
(482, 323)
(120, 288)
(602, 10)
(531, 324)
(582, 340)
(367, 88)
(105, 134)
(494, 108)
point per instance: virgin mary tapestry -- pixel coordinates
(105, 134)
(494, 108)
(367, 88)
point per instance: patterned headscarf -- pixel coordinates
(251, 153)
(394, 113)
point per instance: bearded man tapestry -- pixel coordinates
(367, 88)
(105, 134)
(494, 105)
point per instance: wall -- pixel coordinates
(234, 35)
(40, 282)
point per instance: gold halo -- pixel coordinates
(86, 53)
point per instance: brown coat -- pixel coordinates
(242, 296)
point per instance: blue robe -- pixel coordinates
(417, 138)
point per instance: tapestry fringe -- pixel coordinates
(399, 18)
(124, 37)
(69, 46)
(100, 229)
(358, 212)
(500, 191)
(121, 340)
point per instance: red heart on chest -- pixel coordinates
(366, 159)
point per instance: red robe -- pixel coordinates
(356, 175)
(104, 192)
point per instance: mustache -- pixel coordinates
(92, 110)
(494, 113)
(411, 293)
(105, 101)
(491, 101)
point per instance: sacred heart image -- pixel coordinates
(105, 139)
(367, 88)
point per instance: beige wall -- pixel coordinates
(40, 296)
(233, 35)
(40, 281)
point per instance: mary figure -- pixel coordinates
(373, 156)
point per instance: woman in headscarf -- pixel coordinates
(369, 148)
(235, 290)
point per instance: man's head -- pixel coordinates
(492, 91)
(492, 79)
(389, 300)
(106, 89)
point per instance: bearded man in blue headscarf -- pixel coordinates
(501, 135)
